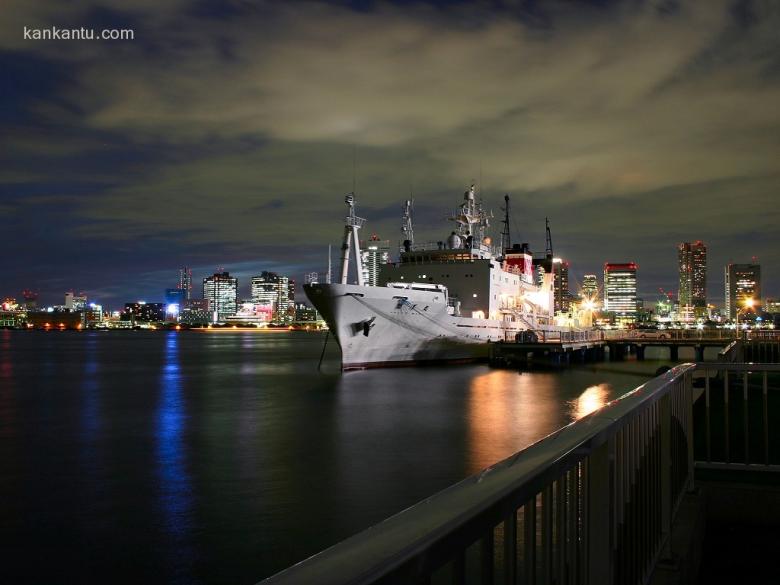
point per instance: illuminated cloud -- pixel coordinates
(225, 133)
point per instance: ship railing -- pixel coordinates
(355, 221)
(764, 335)
(671, 334)
(594, 502)
(558, 336)
(442, 246)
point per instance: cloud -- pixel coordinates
(237, 131)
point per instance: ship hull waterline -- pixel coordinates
(388, 327)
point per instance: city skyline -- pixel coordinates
(235, 144)
(245, 289)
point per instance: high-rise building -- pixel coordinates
(141, 311)
(620, 291)
(590, 287)
(692, 265)
(561, 285)
(374, 253)
(277, 291)
(75, 302)
(175, 296)
(185, 282)
(743, 282)
(221, 291)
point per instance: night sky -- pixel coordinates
(225, 136)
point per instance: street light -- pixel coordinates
(588, 307)
(748, 302)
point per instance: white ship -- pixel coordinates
(442, 301)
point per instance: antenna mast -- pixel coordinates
(548, 249)
(327, 276)
(506, 239)
(406, 226)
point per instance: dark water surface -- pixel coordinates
(223, 457)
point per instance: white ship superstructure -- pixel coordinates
(442, 301)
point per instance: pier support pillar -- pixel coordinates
(674, 353)
(699, 353)
(640, 352)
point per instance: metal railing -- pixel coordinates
(737, 416)
(569, 336)
(691, 334)
(764, 335)
(591, 503)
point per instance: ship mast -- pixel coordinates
(548, 249)
(471, 218)
(506, 240)
(406, 226)
(327, 276)
(351, 226)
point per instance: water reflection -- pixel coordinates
(175, 485)
(592, 399)
(6, 385)
(507, 412)
(90, 411)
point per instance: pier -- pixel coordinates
(625, 494)
(557, 349)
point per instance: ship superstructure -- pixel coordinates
(442, 300)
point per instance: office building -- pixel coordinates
(196, 312)
(561, 285)
(221, 291)
(620, 291)
(175, 296)
(374, 254)
(185, 282)
(75, 302)
(276, 291)
(590, 287)
(197, 304)
(305, 314)
(250, 313)
(743, 282)
(142, 312)
(692, 266)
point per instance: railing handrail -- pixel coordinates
(381, 549)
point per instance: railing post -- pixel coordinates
(688, 401)
(601, 467)
(666, 470)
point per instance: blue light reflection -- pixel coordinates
(176, 499)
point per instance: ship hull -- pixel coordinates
(385, 326)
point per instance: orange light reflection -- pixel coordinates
(508, 412)
(592, 399)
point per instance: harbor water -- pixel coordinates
(225, 456)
